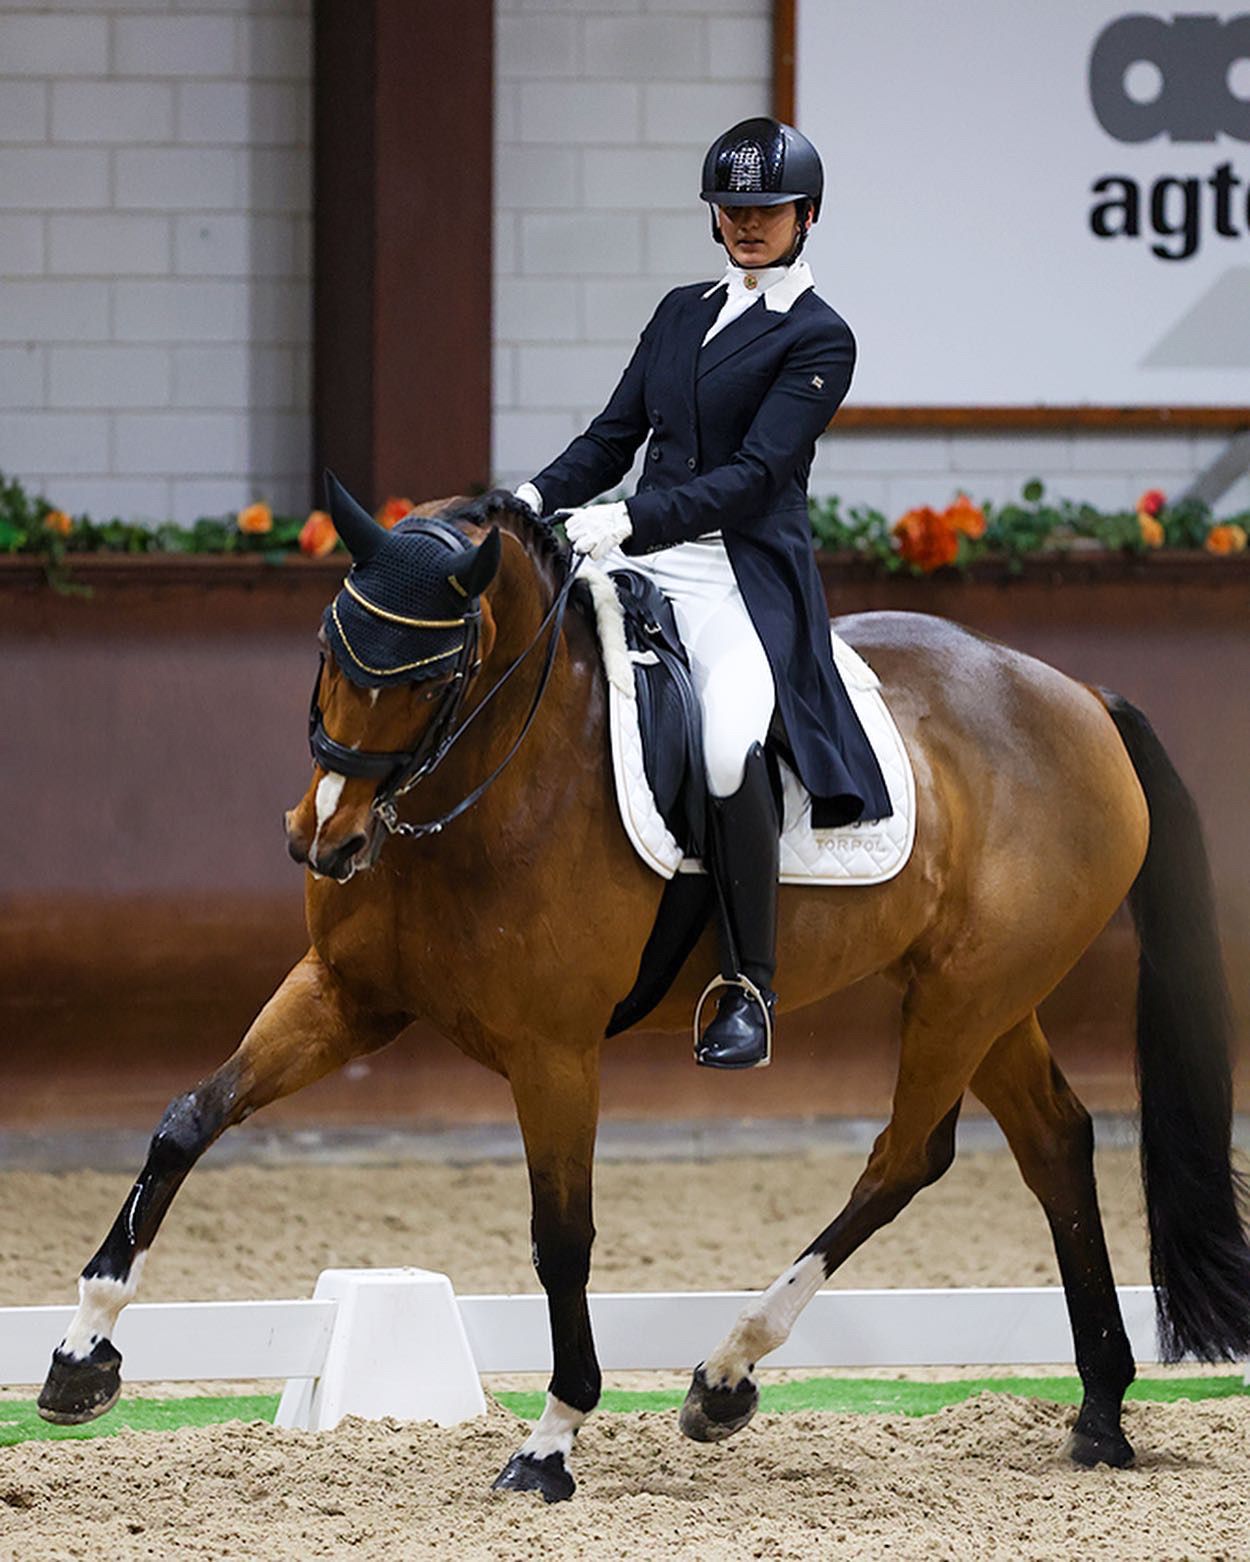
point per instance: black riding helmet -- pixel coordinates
(761, 162)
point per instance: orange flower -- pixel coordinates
(926, 539)
(1151, 530)
(1151, 502)
(317, 535)
(57, 521)
(1226, 538)
(393, 510)
(256, 518)
(965, 517)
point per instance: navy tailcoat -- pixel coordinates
(731, 430)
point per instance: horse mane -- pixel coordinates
(499, 507)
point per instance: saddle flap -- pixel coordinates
(669, 714)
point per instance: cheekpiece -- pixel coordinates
(399, 618)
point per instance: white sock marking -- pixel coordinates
(555, 1430)
(100, 1300)
(765, 1323)
(329, 790)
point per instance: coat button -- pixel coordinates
(655, 452)
(657, 418)
(691, 462)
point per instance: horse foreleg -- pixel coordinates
(557, 1100)
(941, 1051)
(307, 1029)
(1052, 1139)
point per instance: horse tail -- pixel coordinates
(1195, 1198)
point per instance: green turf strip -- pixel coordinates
(891, 1396)
(19, 1420)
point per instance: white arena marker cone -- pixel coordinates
(398, 1349)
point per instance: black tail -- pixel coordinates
(1195, 1199)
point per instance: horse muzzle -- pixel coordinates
(334, 859)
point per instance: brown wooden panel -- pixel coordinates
(148, 906)
(404, 159)
(344, 231)
(783, 60)
(432, 315)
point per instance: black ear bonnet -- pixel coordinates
(409, 604)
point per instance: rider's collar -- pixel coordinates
(779, 286)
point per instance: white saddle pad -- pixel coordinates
(852, 854)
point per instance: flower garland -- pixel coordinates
(926, 539)
(921, 541)
(30, 524)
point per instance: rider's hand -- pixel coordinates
(598, 528)
(529, 495)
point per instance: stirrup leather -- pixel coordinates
(753, 992)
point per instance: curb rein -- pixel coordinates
(401, 770)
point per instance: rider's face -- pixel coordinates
(758, 236)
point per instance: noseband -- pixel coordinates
(398, 771)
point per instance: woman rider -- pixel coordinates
(732, 384)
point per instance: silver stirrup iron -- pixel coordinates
(752, 991)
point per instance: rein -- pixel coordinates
(401, 770)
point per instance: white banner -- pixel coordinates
(1026, 204)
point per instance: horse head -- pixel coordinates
(400, 645)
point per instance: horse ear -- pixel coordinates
(475, 573)
(361, 534)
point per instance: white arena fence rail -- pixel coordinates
(399, 1342)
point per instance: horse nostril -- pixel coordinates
(298, 851)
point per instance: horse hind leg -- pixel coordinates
(1051, 1137)
(306, 1030)
(943, 1043)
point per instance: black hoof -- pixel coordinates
(710, 1415)
(80, 1390)
(1090, 1448)
(523, 1472)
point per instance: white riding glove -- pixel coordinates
(598, 528)
(529, 495)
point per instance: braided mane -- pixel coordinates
(499, 507)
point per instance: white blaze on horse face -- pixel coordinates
(765, 1323)
(326, 800)
(100, 1300)
(555, 1430)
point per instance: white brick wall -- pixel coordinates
(155, 177)
(603, 111)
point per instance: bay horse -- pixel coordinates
(513, 930)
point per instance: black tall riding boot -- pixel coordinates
(744, 848)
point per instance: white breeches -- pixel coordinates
(731, 673)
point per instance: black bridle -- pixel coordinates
(398, 771)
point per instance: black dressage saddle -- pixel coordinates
(669, 718)
(671, 728)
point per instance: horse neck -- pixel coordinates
(519, 600)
